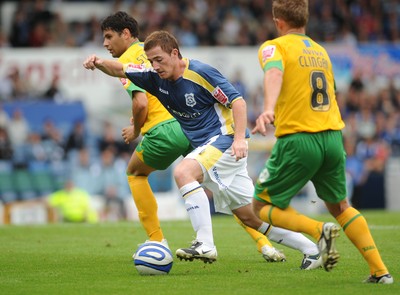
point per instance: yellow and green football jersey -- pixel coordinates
(156, 111)
(302, 106)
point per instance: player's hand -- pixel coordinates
(265, 119)
(239, 148)
(91, 62)
(128, 134)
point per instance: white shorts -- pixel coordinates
(225, 177)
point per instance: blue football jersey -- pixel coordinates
(200, 100)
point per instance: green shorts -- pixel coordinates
(162, 145)
(298, 158)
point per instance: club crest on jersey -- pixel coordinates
(268, 52)
(220, 95)
(190, 101)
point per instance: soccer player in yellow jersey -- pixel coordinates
(163, 142)
(299, 100)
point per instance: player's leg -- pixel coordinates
(285, 173)
(143, 196)
(157, 150)
(258, 230)
(356, 229)
(188, 176)
(238, 194)
(296, 241)
(259, 238)
(288, 218)
(330, 184)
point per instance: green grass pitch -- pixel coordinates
(96, 259)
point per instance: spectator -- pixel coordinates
(18, 129)
(110, 184)
(3, 117)
(76, 139)
(3, 39)
(237, 82)
(391, 133)
(34, 150)
(6, 151)
(73, 204)
(234, 22)
(109, 139)
(19, 35)
(83, 173)
(54, 92)
(53, 141)
(13, 87)
(355, 169)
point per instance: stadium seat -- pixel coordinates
(38, 166)
(7, 190)
(23, 184)
(43, 182)
(5, 166)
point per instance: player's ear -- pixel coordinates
(175, 52)
(126, 33)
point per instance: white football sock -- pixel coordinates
(293, 240)
(198, 208)
(264, 227)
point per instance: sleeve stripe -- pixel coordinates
(273, 64)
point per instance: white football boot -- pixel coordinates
(327, 245)
(271, 254)
(311, 262)
(385, 279)
(198, 251)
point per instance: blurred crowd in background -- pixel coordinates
(36, 23)
(97, 162)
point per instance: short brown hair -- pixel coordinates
(164, 39)
(294, 12)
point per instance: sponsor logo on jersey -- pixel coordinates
(220, 95)
(268, 52)
(163, 90)
(183, 115)
(190, 101)
(134, 68)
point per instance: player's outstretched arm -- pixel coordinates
(110, 67)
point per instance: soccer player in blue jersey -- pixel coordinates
(212, 114)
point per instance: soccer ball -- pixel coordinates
(153, 258)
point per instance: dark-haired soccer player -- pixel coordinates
(162, 138)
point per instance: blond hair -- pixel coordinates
(293, 12)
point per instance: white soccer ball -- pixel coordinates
(153, 258)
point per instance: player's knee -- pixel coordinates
(338, 208)
(256, 206)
